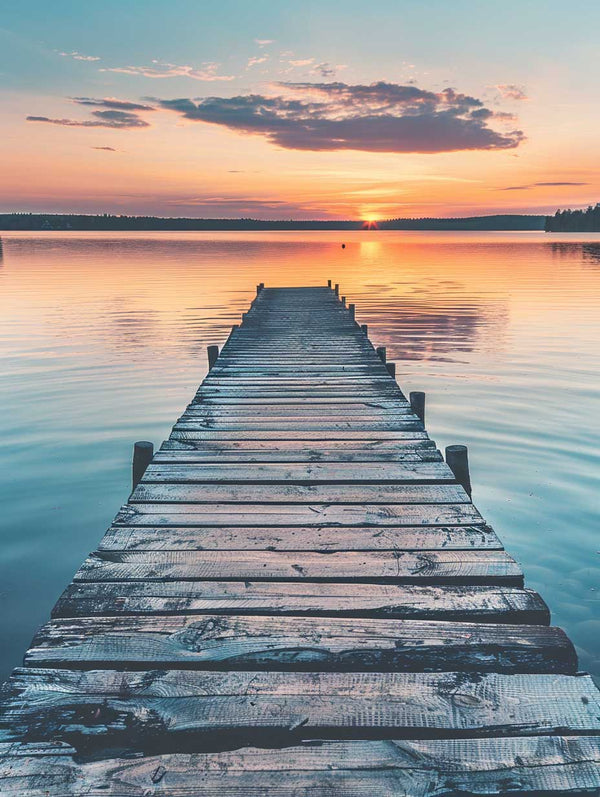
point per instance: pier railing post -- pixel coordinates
(417, 404)
(337, 289)
(365, 328)
(352, 310)
(143, 451)
(391, 367)
(382, 353)
(343, 300)
(329, 283)
(213, 353)
(457, 460)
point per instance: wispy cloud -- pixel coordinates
(106, 149)
(528, 186)
(380, 117)
(115, 114)
(256, 59)
(301, 61)
(264, 42)
(80, 56)
(207, 72)
(510, 91)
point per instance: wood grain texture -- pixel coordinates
(322, 599)
(299, 643)
(542, 766)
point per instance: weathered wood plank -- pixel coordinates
(469, 567)
(311, 473)
(140, 708)
(314, 514)
(428, 538)
(465, 603)
(240, 642)
(542, 765)
(307, 437)
(281, 492)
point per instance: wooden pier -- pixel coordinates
(299, 598)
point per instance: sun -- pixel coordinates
(370, 222)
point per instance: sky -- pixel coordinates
(308, 110)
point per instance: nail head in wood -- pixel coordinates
(213, 353)
(382, 353)
(417, 404)
(143, 451)
(391, 369)
(457, 459)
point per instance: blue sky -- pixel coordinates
(155, 52)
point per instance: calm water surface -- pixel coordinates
(102, 342)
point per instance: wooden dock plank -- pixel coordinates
(537, 766)
(407, 601)
(240, 642)
(119, 704)
(470, 567)
(281, 538)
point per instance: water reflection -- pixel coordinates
(103, 339)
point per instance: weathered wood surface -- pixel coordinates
(473, 567)
(537, 766)
(300, 643)
(146, 710)
(400, 601)
(298, 563)
(297, 538)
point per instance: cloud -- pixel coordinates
(80, 56)
(325, 69)
(235, 206)
(264, 42)
(509, 91)
(117, 120)
(207, 72)
(302, 61)
(106, 149)
(537, 185)
(256, 60)
(113, 104)
(380, 117)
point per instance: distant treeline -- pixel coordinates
(105, 222)
(574, 220)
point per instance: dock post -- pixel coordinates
(329, 283)
(365, 328)
(337, 289)
(417, 404)
(457, 460)
(143, 451)
(391, 369)
(382, 353)
(352, 310)
(213, 353)
(343, 300)
(259, 287)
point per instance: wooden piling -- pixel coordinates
(336, 289)
(143, 452)
(457, 460)
(391, 368)
(213, 353)
(329, 283)
(382, 353)
(417, 403)
(352, 311)
(365, 328)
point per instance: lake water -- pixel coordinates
(103, 338)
